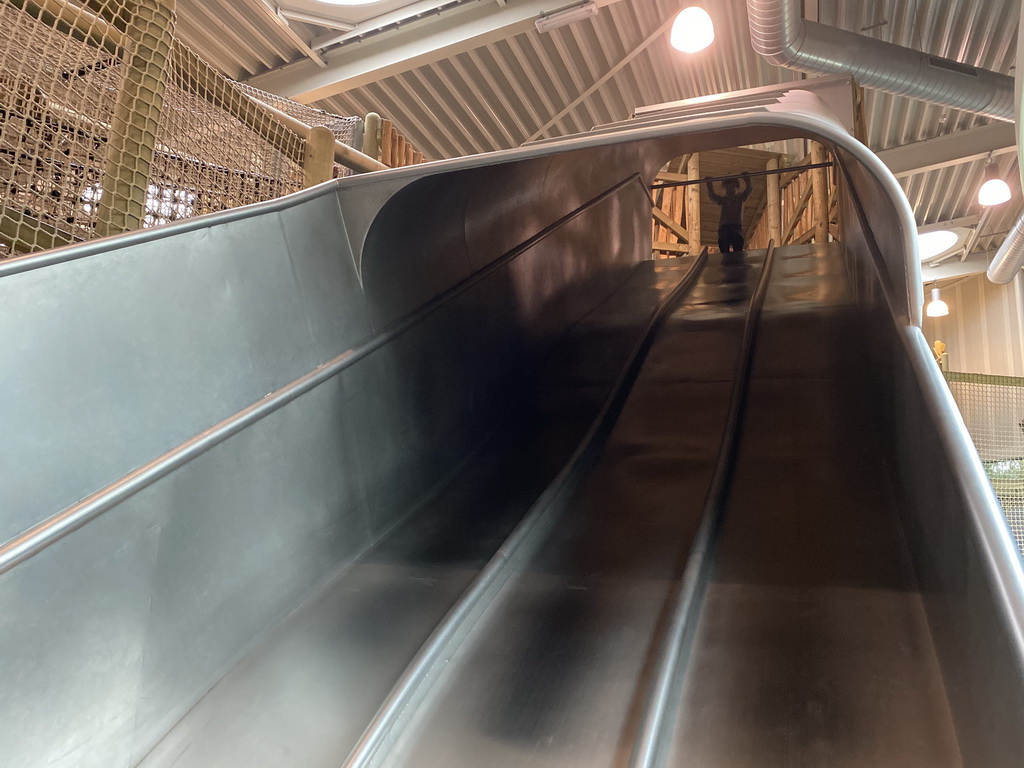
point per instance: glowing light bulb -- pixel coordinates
(994, 192)
(692, 30)
(936, 307)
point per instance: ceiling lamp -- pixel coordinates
(994, 191)
(936, 307)
(692, 30)
(933, 244)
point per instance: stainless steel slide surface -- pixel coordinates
(304, 695)
(434, 467)
(813, 645)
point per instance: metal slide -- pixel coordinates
(435, 468)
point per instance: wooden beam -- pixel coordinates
(136, 119)
(371, 135)
(819, 183)
(79, 23)
(773, 198)
(318, 165)
(795, 218)
(757, 218)
(387, 143)
(786, 178)
(199, 78)
(671, 248)
(693, 205)
(804, 238)
(676, 228)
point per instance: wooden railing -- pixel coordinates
(806, 210)
(384, 142)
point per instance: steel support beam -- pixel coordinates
(393, 52)
(951, 149)
(974, 265)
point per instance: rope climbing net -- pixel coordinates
(108, 124)
(993, 409)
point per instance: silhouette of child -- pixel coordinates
(730, 226)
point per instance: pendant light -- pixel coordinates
(936, 307)
(994, 191)
(693, 30)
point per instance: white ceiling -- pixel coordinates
(474, 76)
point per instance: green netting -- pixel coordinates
(993, 409)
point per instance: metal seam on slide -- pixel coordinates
(442, 643)
(672, 656)
(54, 528)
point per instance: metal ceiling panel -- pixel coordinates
(597, 71)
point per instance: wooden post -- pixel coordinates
(819, 178)
(774, 206)
(132, 139)
(318, 164)
(400, 151)
(387, 143)
(371, 135)
(693, 204)
(410, 154)
(418, 157)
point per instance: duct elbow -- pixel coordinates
(1009, 259)
(776, 31)
(779, 34)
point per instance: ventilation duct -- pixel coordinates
(1010, 256)
(784, 38)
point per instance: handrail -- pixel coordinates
(345, 155)
(519, 545)
(42, 535)
(673, 651)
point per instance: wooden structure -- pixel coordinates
(807, 210)
(108, 124)
(789, 208)
(384, 142)
(673, 204)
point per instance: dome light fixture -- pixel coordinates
(693, 30)
(994, 191)
(934, 244)
(936, 307)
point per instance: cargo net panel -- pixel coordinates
(65, 140)
(993, 409)
(57, 97)
(347, 130)
(217, 150)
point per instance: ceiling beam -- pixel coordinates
(393, 52)
(962, 221)
(947, 270)
(271, 14)
(630, 55)
(951, 149)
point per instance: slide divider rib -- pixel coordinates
(439, 648)
(675, 646)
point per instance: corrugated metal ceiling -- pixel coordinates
(540, 85)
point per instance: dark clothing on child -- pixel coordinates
(730, 225)
(730, 236)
